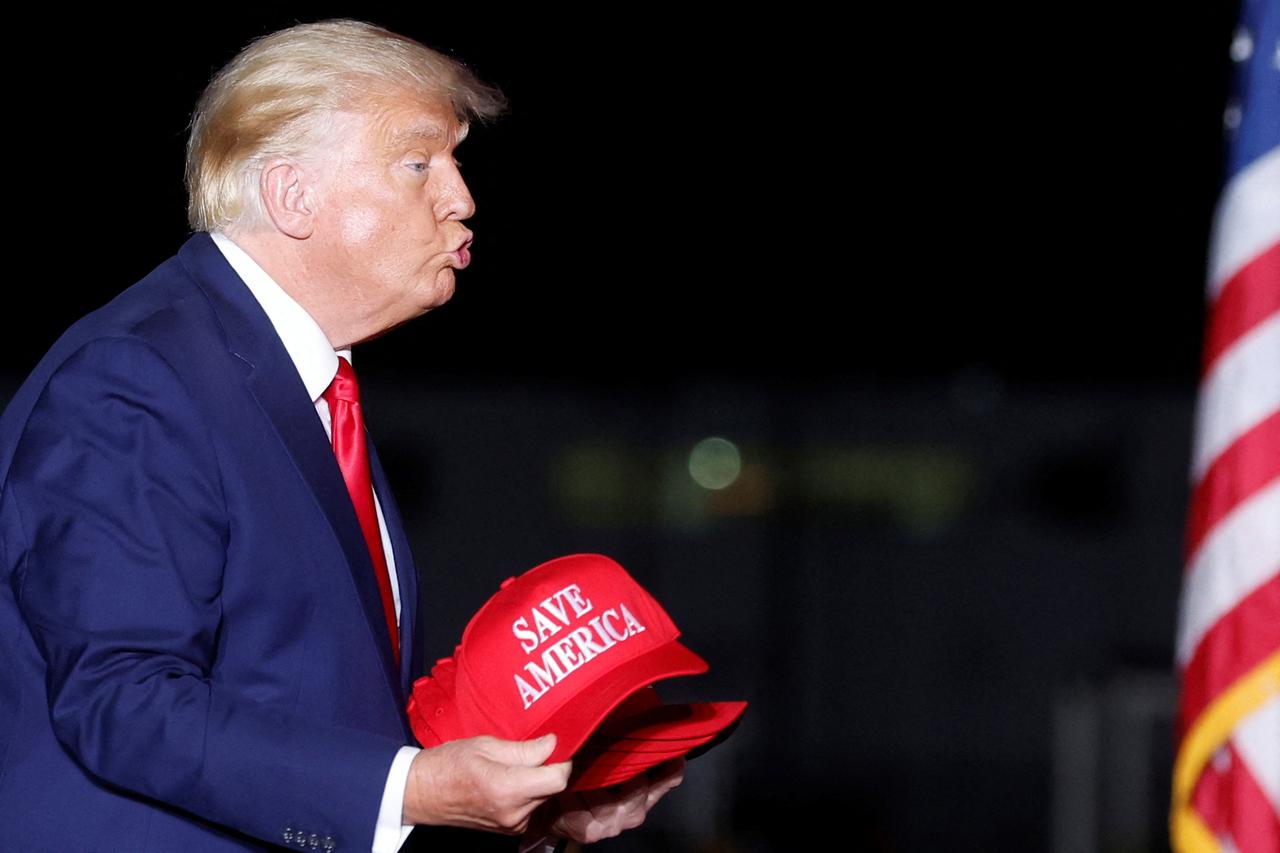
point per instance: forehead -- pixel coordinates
(399, 123)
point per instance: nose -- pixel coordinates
(455, 199)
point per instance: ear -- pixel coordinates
(288, 196)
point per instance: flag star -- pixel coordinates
(1241, 45)
(1232, 116)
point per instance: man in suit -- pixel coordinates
(202, 629)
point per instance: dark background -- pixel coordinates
(938, 276)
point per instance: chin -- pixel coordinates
(446, 284)
(440, 292)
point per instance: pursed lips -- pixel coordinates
(463, 252)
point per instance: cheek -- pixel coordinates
(360, 226)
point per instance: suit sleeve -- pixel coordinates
(119, 494)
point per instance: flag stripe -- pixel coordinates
(1247, 466)
(1236, 644)
(1248, 298)
(1240, 392)
(1210, 800)
(1255, 740)
(1236, 558)
(1248, 219)
(1234, 807)
(1255, 828)
(1211, 730)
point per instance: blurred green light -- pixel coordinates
(715, 463)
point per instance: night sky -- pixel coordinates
(898, 197)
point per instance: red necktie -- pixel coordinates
(343, 397)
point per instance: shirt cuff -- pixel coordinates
(390, 833)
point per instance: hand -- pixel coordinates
(483, 783)
(590, 816)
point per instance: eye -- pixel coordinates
(418, 166)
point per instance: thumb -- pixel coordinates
(530, 753)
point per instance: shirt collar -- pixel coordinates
(313, 356)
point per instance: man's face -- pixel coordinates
(392, 204)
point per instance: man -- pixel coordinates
(205, 607)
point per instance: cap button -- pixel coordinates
(506, 583)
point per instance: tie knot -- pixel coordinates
(343, 387)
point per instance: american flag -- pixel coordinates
(1226, 785)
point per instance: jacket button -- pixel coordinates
(314, 841)
(287, 835)
(328, 845)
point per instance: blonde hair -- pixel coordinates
(277, 96)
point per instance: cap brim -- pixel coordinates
(591, 703)
(594, 746)
(672, 722)
(605, 761)
(653, 751)
(613, 768)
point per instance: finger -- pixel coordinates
(667, 775)
(625, 793)
(515, 817)
(565, 769)
(604, 802)
(578, 822)
(614, 809)
(561, 772)
(523, 826)
(538, 783)
(597, 799)
(522, 753)
(634, 798)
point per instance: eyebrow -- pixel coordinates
(427, 133)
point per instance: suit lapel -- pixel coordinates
(274, 381)
(406, 574)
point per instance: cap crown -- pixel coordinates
(547, 635)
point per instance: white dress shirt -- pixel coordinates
(317, 364)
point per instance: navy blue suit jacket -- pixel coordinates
(194, 651)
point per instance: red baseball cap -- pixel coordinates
(642, 733)
(614, 768)
(639, 734)
(640, 723)
(643, 718)
(556, 649)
